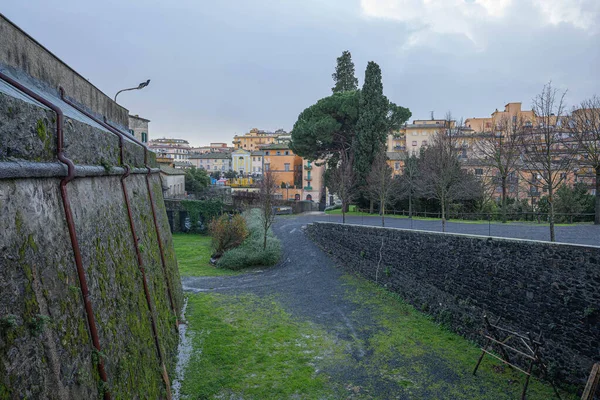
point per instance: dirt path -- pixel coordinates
(310, 287)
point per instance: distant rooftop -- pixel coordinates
(214, 155)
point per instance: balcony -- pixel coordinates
(308, 178)
(308, 188)
(399, 148)
(308, 167)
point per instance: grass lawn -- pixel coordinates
(249, 347)
(246, 347)
(461, 221)
(193, 255)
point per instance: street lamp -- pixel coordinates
(140, 86)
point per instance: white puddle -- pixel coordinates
(184, 352)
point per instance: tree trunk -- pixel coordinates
(265, 241)
(410, 204)
(443, 216)
(382, 208)
(597, 205)
(503, 199)
(551, 213)
(371, 206)
(343, 212)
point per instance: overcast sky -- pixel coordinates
(223, 67)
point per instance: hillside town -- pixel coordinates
(239, 164)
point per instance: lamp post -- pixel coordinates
(140, 86)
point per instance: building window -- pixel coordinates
(144, 137)
(266, 153)
(215, 168)
(478, 171)
(287, 153)
(424, 142)
(414, 143)
(415, 133)
(397, 166)
(267, 167)
(286, 167)
(278, 153)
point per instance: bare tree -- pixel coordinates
(546, 152)
(584, 127)
(267, 189)
(442, 175)
(499, 152)
(408, 182)
(342, 182)
(380, 183)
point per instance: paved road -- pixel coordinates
(310, 287)
(587, 234)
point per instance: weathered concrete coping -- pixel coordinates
(465, 235)
(28, 169)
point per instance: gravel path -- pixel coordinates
(309, 287)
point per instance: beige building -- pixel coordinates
(257, 162)
(212, 161)
(138, 127)
(173, 181)
(256, 139)
(177, 150)
(314, 183)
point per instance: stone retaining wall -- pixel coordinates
(459, 278)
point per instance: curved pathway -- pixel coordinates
(310, 287)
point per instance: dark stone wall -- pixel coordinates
(459, 278)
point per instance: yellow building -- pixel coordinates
(256, 139)
(512, 113)
(241, 162)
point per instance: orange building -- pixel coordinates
(286, 167)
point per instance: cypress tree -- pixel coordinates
(371, 128)
(344, 74)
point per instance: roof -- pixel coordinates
(212, 156)
(165, 169)
(276, 146)
(395, 155)
(257, 153)
(138, 117)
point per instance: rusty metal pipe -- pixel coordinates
(134, 235)
(70, 221)
(155, 220)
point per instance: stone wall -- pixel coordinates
(459, 278)
(45, 341)
(22, 53)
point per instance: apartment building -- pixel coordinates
(286, 167)
(138, 128)
(176, 150)
(212, 162)
(256, 139)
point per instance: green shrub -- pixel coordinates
(227, 232)
(251, 252)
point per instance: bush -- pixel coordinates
(227, 233)
(251, 252)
